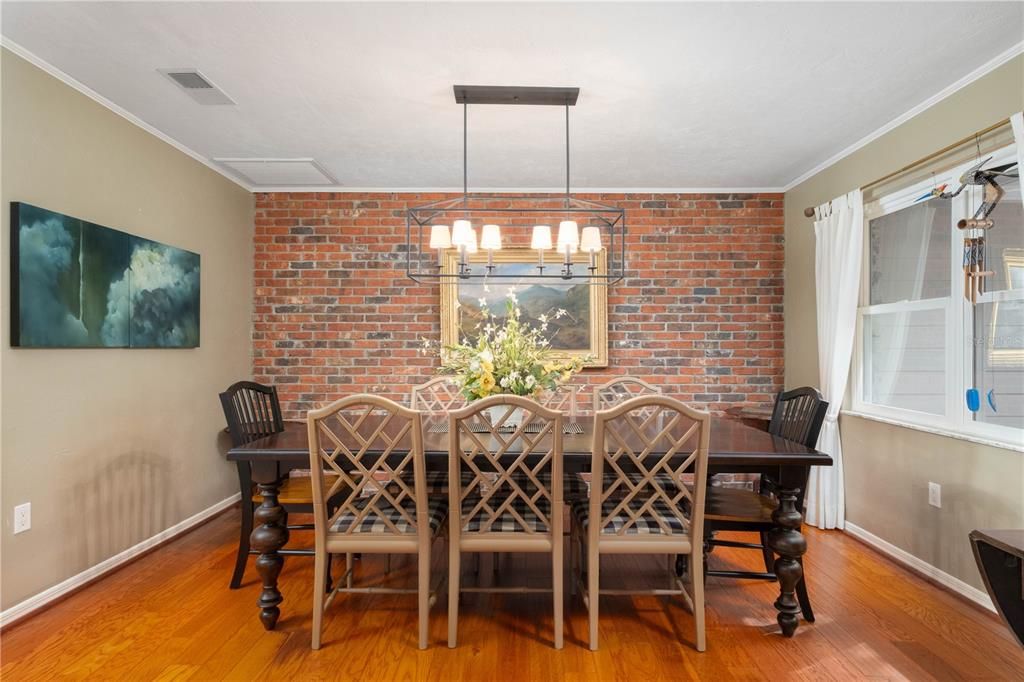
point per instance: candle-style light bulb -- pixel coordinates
(568, 244)
(591, 243)
(490, 239)
(541, 241)
(440, 239)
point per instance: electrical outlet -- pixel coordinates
(935, 494)
(22, 517)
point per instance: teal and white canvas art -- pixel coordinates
(75, 284)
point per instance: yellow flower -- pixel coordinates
(487, 366)
(487, 382)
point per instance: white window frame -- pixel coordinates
(956, 419)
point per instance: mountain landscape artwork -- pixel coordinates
(76, 284)
(581, 329)
(537, 299)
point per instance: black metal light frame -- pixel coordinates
(421, 264)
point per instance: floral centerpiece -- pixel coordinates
(510, 357)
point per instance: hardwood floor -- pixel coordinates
(171, 616)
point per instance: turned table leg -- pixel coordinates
(270, 535)
(787, 542)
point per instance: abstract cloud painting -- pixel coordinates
(75, 284)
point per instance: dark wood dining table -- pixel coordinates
(734, 448)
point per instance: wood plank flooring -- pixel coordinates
(171, 616)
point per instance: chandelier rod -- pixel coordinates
(567, 154)
(465, 162)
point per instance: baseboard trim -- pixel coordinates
(922, 567)
(76, 582)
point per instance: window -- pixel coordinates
(921, 346)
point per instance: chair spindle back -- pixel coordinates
(252, 411)
(798, 415)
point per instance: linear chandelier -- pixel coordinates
(442, 238)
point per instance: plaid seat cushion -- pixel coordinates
(437, 510)
(647, 524)
(663, 480)
(573, 485)
(506, 522)
(437, 481)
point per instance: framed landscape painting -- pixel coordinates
(582, 330)
(75, 284)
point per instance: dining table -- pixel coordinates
(734, 447)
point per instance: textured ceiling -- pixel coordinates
(687, 95)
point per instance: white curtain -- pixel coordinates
(839, 230)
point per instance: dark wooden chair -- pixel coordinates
(252, 411)
(797, 416)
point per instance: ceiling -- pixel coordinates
(673, 95)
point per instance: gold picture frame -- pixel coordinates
(456, 292)
(1007, 356)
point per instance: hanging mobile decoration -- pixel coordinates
(935, 192)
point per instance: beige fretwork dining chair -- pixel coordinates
(619, 389)
(561, 398)
(632, 512)
(497, 511)
(437, 396)
(364, 439)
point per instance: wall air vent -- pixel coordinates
(197, 86)
(262, 173)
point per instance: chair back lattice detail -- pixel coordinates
(437, 396)
(363, 440)
(639, 488)
(252, 411)
(798, 415)
(619, 390)
(515, 479)
(561, 398)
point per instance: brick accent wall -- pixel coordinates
(700, 311)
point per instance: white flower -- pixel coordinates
(487, 356)
(543, 319)
(504, 382)
(513, 375)
(560, 312)
(530, 381)
(482, 301)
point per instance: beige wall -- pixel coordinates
(888, 467)
(113, 446)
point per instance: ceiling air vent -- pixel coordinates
(262, 173)
(197, 86)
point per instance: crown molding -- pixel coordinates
(75, 84)
(983, 70)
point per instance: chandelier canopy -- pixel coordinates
(459, 237)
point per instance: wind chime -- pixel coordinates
(975, 229)
(977, 225)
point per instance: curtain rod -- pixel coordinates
(809, 211)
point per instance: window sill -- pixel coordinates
(981, 440)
